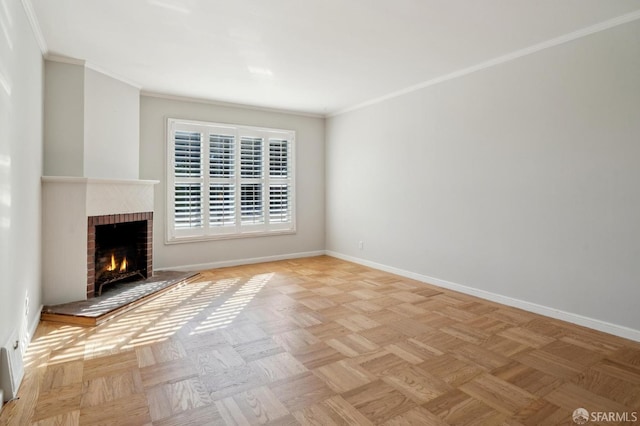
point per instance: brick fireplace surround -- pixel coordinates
(145, 241)
(73, 208)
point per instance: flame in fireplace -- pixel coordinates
(113, 265)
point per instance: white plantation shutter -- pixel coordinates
(251, 204)
(222, 205)
(228, 181)
(251, 157)
(188, 210)
(221, 156)
(279, 204)
(251, 180)
(222, 193)
(188, 180)
(280, 195)
(188, 154)
(278, 158)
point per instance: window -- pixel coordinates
(228, 181)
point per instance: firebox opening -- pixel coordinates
(119, 254)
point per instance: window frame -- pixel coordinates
(239, 229)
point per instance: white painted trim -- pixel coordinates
(238, 229)
(179, 98)
(601, 26)
(31, 328)
(617, 330)
(72, 179)
(63, 59)
(35, 25)
(113, 75)
(238, 262)
(74, 61)
(221, 237)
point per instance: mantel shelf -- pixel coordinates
(87, 180)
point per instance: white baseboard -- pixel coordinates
(34, 324)
(237, 262)
(617, 330)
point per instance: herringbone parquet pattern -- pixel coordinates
(322, 341)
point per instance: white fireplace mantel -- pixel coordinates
(67, 202)
(107, 196)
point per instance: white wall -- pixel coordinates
(64, 119)
(64, 242)
(111, 127)
(21, 99)
(309, 182)
(92, 123)
(521, 180)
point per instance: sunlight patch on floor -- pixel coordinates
(225, 314)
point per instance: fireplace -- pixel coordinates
(72, 208)
(119, 248)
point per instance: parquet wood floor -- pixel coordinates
(321, 341)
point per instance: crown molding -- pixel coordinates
(179, 98)
(50, 56)
(112, 75)
(63, 59)
(35, 25)
(601, 26)
(74, 61)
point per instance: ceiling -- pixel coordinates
(311, 56)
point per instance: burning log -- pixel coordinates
(115, 271)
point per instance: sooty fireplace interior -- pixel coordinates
(119, 249)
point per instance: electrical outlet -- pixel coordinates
(360, 245)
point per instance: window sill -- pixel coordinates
(203, 238)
